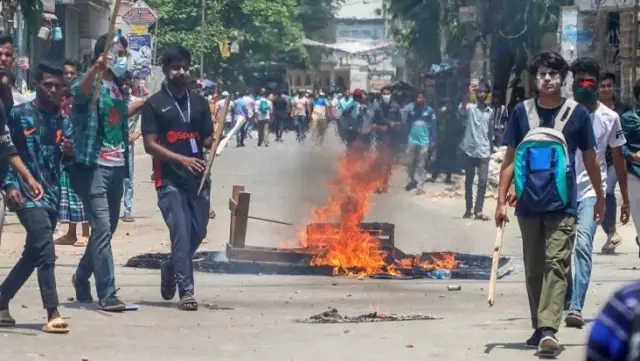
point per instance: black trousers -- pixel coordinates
(39, 253)
(482, 164)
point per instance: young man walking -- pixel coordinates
(422, 137)
(176, 127)
(476, 146)
(280, 112)
(607, 97)
(608, 134)
(542, 138)
(101, 132)
(41, 136)
(631, 150)
(134, 135)
(71, 209)
(264, 113)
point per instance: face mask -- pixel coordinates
(119, 66)
(585, 92)
(386, 98)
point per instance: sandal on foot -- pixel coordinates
(6, 320)
(167, 281)
(481, 217)
(467, 215)
(64, 241)
(81, 242)
(188, 303)
(128, 218)
(57, 325)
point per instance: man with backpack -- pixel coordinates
(608, 134)
(542, 138)
(264, 110)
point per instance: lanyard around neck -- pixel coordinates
(188, 118)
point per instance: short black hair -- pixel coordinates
(6, 39)
(588, 65)
(11, 79)
(47, 68)
(71, 62)
(175, 52)
(98, 49)
(484, 86)
(636, 90)
(550, 59)
(127, 75)
(606, 75)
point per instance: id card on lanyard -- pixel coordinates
(192, 140)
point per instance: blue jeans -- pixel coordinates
(187, 215)
(582, 262)
(609, 221)
(302, 125)
(100, 189)
(128, 184)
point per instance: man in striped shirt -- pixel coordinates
(615, 335)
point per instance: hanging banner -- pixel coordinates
(224, 49)
(140, 53)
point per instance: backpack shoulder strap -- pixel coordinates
(532, 113)
(564, 114)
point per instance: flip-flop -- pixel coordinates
(481, 217)
(57, 325)
(64, 241)
(188, 303)
(6, 320)
(81, 242)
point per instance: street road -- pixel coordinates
(251, 317)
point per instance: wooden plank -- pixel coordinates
(242, 220)
(258, 254)
(232, 223)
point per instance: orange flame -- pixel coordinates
(342, 244)
(445, 260)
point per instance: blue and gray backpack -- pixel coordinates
(542, 171)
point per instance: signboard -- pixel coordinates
(139, 17)
(140, 53)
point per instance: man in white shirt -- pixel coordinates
(263, 111)
(300, 108)
(608, 132)
(228, 121)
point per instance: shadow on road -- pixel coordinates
(169, 304)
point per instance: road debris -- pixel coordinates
(333, 316)
(454, 287)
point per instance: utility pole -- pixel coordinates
(634, 44)
(203, 3)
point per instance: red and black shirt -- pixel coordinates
(181, 125)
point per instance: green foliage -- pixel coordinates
(264, 30)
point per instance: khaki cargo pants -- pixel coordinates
(547, 243)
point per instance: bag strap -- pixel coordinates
(564, 114)
(532, 113)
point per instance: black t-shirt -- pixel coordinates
(280, 105)
(180, 133)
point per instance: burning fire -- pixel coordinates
(345, 246)
(442, 261)
(335, 235)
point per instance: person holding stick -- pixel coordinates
(542, 138)
(101, 132)
(176, 126)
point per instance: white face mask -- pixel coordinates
(175, 73)
(550, 86)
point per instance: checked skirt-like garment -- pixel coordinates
(71, 209)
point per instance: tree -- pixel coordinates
(512, 28)
(265, 31)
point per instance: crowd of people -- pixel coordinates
(70, 156)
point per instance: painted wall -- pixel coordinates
(590, 5)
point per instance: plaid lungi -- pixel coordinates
(71, 209)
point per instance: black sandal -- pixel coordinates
(167, 281)
(481, 217)
(188, 303)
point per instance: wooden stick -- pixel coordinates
(231, 133)
(217, 138)
(497, 247)
(107, 45)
